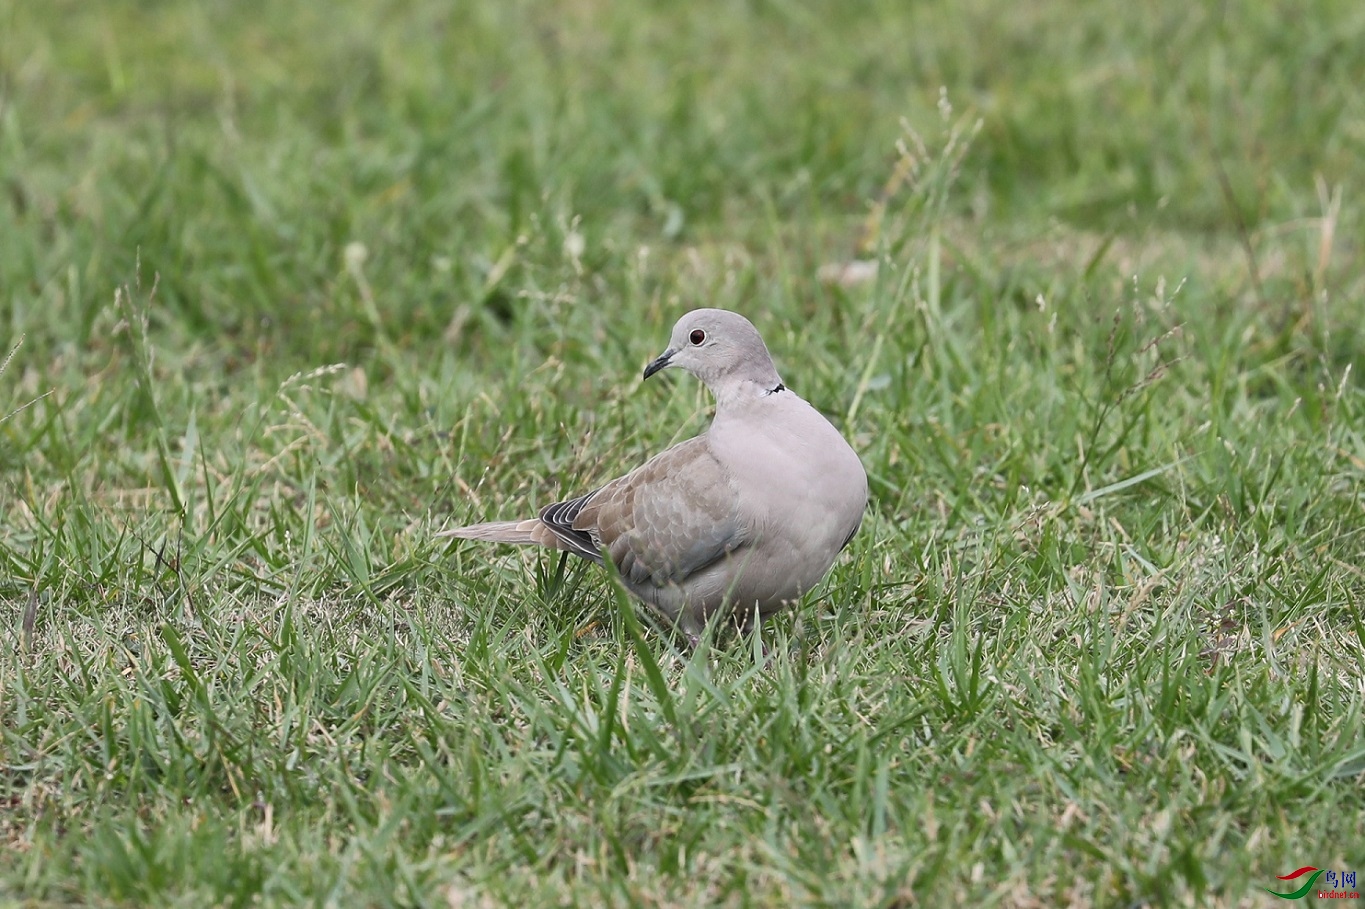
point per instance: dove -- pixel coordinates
(740, 521)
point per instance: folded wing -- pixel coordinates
(661, 523)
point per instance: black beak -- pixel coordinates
(660, 363)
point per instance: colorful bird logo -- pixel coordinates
(1302, 891)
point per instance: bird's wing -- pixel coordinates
(661, 523)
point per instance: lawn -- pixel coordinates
(286, 288)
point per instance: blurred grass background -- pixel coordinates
(289, 286)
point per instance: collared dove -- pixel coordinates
(745, 517)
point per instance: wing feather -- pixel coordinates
(559, 519)
(661, 523)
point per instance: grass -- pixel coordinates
(286, 290)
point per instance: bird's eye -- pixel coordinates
(697, 336)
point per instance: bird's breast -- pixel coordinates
(798, 472)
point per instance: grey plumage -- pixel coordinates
(747, 516)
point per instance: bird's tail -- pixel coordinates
(498, 531)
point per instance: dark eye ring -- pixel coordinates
(697, 336)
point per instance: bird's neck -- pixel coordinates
(749, 391)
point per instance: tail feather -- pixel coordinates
(523, 532)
